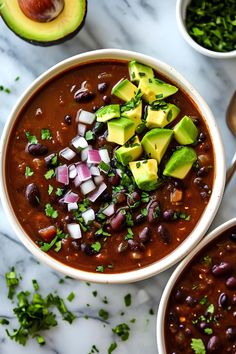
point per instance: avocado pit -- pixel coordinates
(41, 10)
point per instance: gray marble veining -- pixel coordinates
(140, 25)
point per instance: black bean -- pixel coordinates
(37, 149)
(102, 87)
(95, 108)
(32, 194)
(118, 221)
(233, 237)
(145, 235)
(231, 283)
(135, 246)
(86, 248)
(198, 181)
(83, 95)
(168, 215)
(114, 180)
(106, 99)
(188, 331)
(133, 199)
(76, 244)
(154, 212)
(231, 333)
(204, 195)
(203, 171)
(221, 269)
(179, 296)
(139, 219)
(68, 119)
(202, 137)
(113, 162)
(223, 300)
(105, 197)
(122, 247)
(164, 234)
(196, 121)
(190, 301)
(98, 128)
(214, 345)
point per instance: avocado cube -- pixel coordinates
(137, 70)
(134, 114)
(160, 116)
(156, 141)
(180, 162)
(124, 89)
(186, 132)
(120, 130)
(130, 151)
(145, 174)
(155, 89)
(108, 112)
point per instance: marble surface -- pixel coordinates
(148, 26)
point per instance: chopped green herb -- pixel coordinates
(50, 189)
(96, 246)
(204, 300)
(138, 164)
(58, 246)
(198, 346)
(71, 296)
(31, 138)
(144, 211)
(28, 172)
(47, 246)
(112, 347)
(207, 260)
(151, 312)
(17, 78)
(129, 219)
(101, 232)
(104, 167)
(100, 269)
(40, 340)
(4, 321)
(12, 282)
(95, 293)
(49, 174)
(122, 330)
(49, 211)
(145, 197)
(5, 89)
(133, 320)
(35, 284)
(127, 300)
(89, 135)
(130, 234)
(46, 134)
(208, 331)
(211, 309)
(103, 314)
(59, 192)
(94, 350)
(54, 160)
(105, 300)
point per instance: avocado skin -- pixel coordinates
(57, 41)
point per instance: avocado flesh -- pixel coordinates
(108, 112)
(129, 152)
(161, 117)
(137, 71)
(154, 89)
(124, 89)
(120, 130)
(145, 174)
(63, 27)
(185, 132)
(180, 163)
(156, 142)
(134, 114)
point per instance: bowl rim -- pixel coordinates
(160, 324)
(180, 17)
(208, 214)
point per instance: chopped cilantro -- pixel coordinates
(49, 174)
(28, 172)
(44, 246)
(203, 300)
(40, 340)
(96, 246)
(208, 331)
(130, 234)
(49, 211)
(35, 284)
(100, 268)
(122, 330)
(207, 260)
(145, 197)
(58, 245)
(103, 314)
(151, 312)
(127, 300)
(71, 296)
(31, 138)
(5, 89)
(129, 219)
(198, 346)
(138, 164)
(59, 192)
(95, 293)
(50, 189)
(17, 78)
(112, 347)
(4, 321)
(104, 167)
(101, 232)
(210, 309)
(47, 246)
(144, 211)
(46, 134)
(94, 350)
(89, 135)
(12, 282)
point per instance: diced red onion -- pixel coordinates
(72, 206)
(77, 181)
(85, 117)
(67, 153)
(119, 172)
(71, 197)
(87, 187)
(72, 171)
(94, 195)
(74, 230)
(104, 155)
(84, 153)
(82, 129)
(79, 143)
(88, 216)
(83, 172)
(93, 156)
(98, 179)
(109, 210)
(95, 171)
(62, 174)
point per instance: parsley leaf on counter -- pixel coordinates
(112, 347)
(103, 314)
(12, 282)
(127, 300)
(122, 330)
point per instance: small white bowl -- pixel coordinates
(218, 187)
(181, 7)
(175, 276)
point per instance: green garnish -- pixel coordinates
(204, 300)
(89, 135)
(50, 189)
(46, 134)
(103, 314)
(96, 246)
(210, 309)
(130, 234)
(12, 282)
(208, 331)
(129, 219)
(212, 24)
(50, 211)
(47, 246)
(28, 172)
(95, 293)
(35, 284)
(44, 246)
(49, 174)
(100, 269)
(59, 192)
(71, 296)
(207, 260)
(5, 89)
(104, 166)
(145, 197)
(112, 347)
(31, 138)
(4, 321)
(127, 300)
(122, 330)
(198, 346)
(101, 232)
(40, 340)
(151, 312)
(94, 350)
(17, 78)
(144, 211)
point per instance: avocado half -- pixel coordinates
(65, 26)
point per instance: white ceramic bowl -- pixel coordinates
(181, 7)
(204, 222)
(175, 276)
